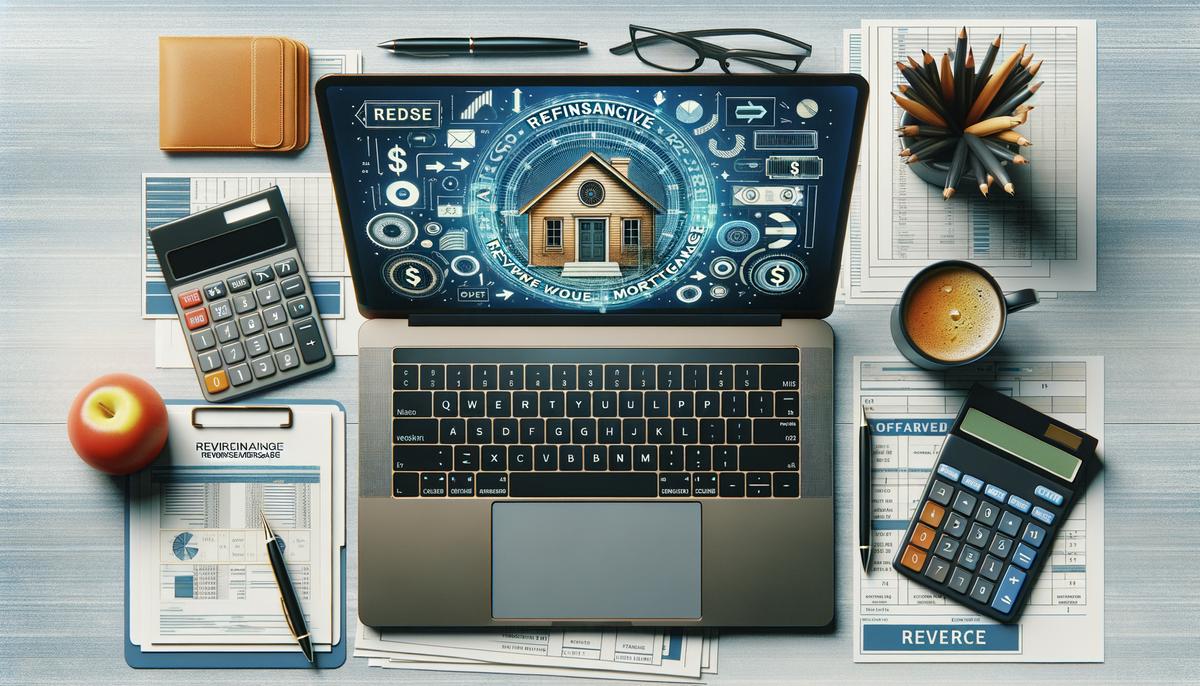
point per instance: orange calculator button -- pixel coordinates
(215, 382)
(190, 298)
(914, 559)
(932, 513)
(196, 318)
(922, 536)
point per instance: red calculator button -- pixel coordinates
(196, 318)
(217, 381)
(190, 298)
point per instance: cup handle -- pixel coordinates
(1019, 300)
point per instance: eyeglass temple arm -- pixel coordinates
(626, 48)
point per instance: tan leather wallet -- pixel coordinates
(232, 93)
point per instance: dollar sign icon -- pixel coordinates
(777, 275)
(398, 164)
(794, 168)
(413, 276)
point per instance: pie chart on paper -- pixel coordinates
(689, 112)
(181, 549)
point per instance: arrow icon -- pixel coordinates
(516, 100)
(435, 167)
(659, 98)
(505, 294)
(698, 276)
(484, 195)
(750, 112)
(461, 163)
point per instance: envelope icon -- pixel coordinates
(460, 138)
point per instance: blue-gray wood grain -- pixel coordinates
(78, 112)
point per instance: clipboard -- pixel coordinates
(140, 659)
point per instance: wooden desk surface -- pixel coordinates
(78, 127)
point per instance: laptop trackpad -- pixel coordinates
(596, 560)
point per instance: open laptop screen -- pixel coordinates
(593, 194)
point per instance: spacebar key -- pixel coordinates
(557, 485)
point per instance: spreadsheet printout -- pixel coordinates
(911, 411)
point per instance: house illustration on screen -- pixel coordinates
(592, 220)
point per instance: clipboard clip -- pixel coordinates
(243, 416)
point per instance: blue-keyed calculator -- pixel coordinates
(1003, 485)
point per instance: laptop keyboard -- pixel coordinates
(596, 423)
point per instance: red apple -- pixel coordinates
(118, 423)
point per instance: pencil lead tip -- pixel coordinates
(1034, 88)
(947, 193)
(999, 37)
(1008, 188)
(1020, 159)
(962, 33)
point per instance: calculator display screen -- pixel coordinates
(226, 248)
(1016, 442)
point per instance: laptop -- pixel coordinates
(595, 383)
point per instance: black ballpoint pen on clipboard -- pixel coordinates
(864, 490)
(287, 593)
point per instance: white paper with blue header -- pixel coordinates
(198, 562)
(910, 412)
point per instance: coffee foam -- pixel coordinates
(954, 314)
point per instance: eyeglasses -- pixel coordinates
(684, 51)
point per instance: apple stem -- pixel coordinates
(108, 411)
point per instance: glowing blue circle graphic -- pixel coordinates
(738, 235)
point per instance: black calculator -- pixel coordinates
(243, 297)
(1005, 481)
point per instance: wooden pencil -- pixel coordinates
(985, 68)
(947, 79)
(967, 93)
(920, 111)
(980, 175)
(923, 145)
(938, 144)
(989, 126)
(958, 164)
(1015, 101)
(1004, 153)
(931, 70)
(1010, 136)
(991, 162)
(911, 130)
(992, 87)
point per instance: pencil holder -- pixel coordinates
(959, 126)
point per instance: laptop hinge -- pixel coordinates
(582, 319)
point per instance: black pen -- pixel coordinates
(865, 462)
(287, 594)
(495, 45)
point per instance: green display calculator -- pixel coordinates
(1003, 485)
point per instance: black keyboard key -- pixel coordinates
(433, 485)
(570, 458)
(616, 377)
(499, 404)
(472, 404)
(642, 377)
(725, 458)
(454, 431)
(657, 404)
(600, 485)
(595, 458)
(505, 431)
(458, 377)
(583, 431)
(608, 431)
(591, 377)
(491, 485)
(308, 339)
(479, 431)
(720, 377)
(563, 377)
(551, 404)
(620, 458)
(776, 431)
(704, 485)
(466, 458)
(512, 377)
(658, 431)
(537, 377)
(745, 377)
(533, 431)
(769, 458)
(558, 430)
(545, 458)
(698, 458)
(780, 377)
(414, 431)
(785, 484)
(525, 404)
(462, 485)
(737, 431)
(683, 404)
(494, 458)
(670, 377)
(733, 484)
(685, 431)
(708, 404)
(633, 430)
(674, 485)
(406, 484)
(412, 404)
(733, 404)
(762, 404)
(579, 404)
(787, 404)
(520, 458)
(604, 404)
(695, 377)
(629, 404)
(405, 377)
(421, 458)
(758, 485)
(670, 458)
(712, 431)
(645, 458)
(445, 404)
(483, 377)
(433, 377)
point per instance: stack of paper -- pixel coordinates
(673, 656)
(199, 576)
